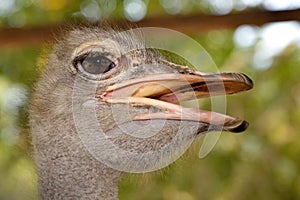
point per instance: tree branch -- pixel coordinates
(190, 24)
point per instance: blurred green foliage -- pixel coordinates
(17, 75)
(19, 13)
(262, 163)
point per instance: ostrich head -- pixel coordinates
(107, 104)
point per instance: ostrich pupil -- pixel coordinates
(97, 64)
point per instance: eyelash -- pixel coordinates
(77, 60)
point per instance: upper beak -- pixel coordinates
(165, 91)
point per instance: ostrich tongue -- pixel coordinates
(165, 91)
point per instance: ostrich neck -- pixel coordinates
(72, 178)
(67, 171)
(76, 184)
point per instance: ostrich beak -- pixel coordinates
(166, 91)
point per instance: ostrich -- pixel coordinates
(99, 90)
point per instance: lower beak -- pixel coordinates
(165, 91)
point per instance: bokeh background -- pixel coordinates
(262, 163)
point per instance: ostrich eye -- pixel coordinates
(94, 63)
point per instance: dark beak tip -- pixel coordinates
(240, 127)
(248, 81)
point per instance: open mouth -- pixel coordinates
(166, 91)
